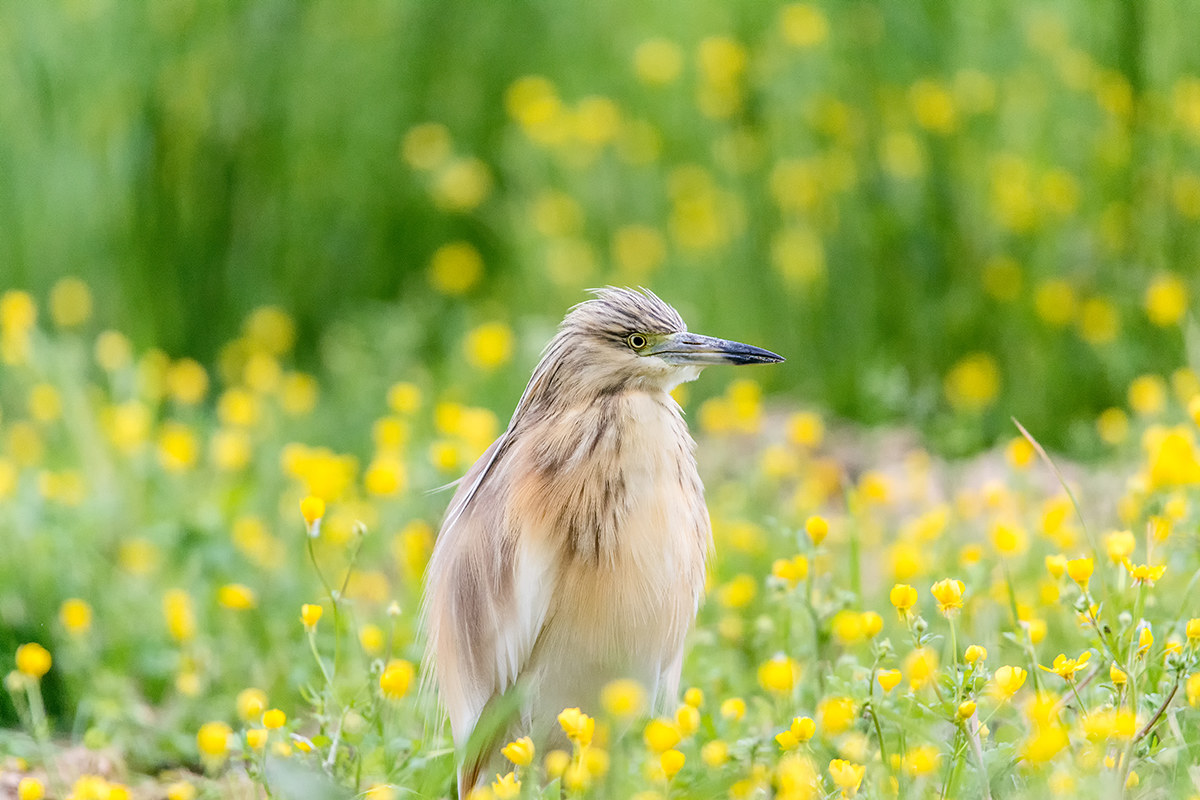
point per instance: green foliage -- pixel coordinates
(876, 190)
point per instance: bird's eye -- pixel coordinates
(636, 341)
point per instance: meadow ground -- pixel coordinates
(198, 601)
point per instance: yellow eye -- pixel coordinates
(636, 341)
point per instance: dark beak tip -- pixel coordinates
(758, 355)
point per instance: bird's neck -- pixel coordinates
(597, 464)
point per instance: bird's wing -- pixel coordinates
(487, 594)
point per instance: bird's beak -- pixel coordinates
(694, 349)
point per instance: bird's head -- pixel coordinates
(626, 339)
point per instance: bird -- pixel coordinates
(573, 552)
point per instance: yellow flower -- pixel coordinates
(805, 429)
(803, 728)
(396, 679)
(1009, 539)
(1172, 460)
(1020, 453)
(371, 637)
(270, 330)
(45, 404)
(1044, 743)
(1119, 545)
(1080, 570)
(687, 719)
(903, 597)
(888, 678)
(846, 776)
(661, 735)
(714, 753)
(657, 61)
(33, 660)
(787, 741)
(922, 759)
(273, 718)
(637, 250)
(817, 529)
(1103, 724)
(461, 185)
(310, 614)
(973, 383)
(426, 146)
(1113, 425)
(733, 708)
(835, 715)
(1193, 689)
(1067, 667)
(455, 268)
(18, 312)
(966, 709)
(76, 616)
(520, 751)
(1145, 640)
(949, 594)
(213, 739)
(694, 697)
(256, 738)
(1007, 680)
(1056, 565)
(312, 509)
(790, 570)
(386, 476)
(489, 346)
(623, 698)
(1144, 573)
(181, 790)
(1166, 300)
(671, 762)
(178, 448)
(847, 627)
(921, 666)
(1147, 395)
(902, 154)
(872, 623)
(186, 382)
(1117, 675)
(506, 787)
(578, 726)
(739, 592)
(30, 789)
(975, 653)
(803, 25)
(251, 703)
(236, 597)
(779, 675)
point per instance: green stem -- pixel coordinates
(954, 655)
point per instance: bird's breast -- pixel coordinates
(624, 508)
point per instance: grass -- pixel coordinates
(891, 189)
(879, 621)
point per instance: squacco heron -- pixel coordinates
(573, 552)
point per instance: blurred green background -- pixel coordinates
(941, 213)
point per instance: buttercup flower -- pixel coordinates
(1007, 680)
(949, 594)
(1067, 667)
(903, 597)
